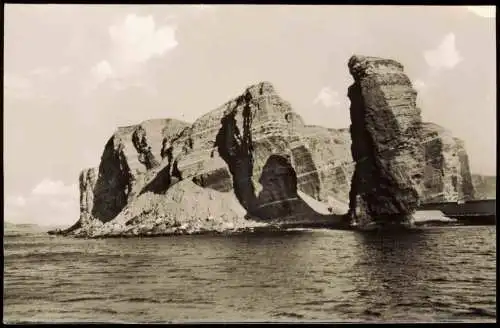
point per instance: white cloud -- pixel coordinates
(49, 187)
(137, 39)
(39, 83)
(134, 41)
(102, 71)
(202, 9)
(64, 70)
(419, 84)
(61, 205)
(17, 86)
(483, 11)
(17, 201)
(49, 203)
(15, 81)
(41, 71)
(445, 55)
(48, 73)
(327, 97)
(185, 14)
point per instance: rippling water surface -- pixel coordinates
(439, 274)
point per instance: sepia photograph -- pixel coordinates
(201, 163)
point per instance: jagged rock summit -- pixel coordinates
(254, 163)
(254, 153)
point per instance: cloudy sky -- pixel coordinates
(73, 73)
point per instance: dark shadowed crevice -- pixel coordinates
(176, 173)
(170, 174)
(214, 180)
(454, 183)
(140, 143)
(236, 150)
(279, 188)
(279, 196)
(467, 189)
(167, 176)
(434, 170)
(113, 184)
(362, 152)
(161, 182)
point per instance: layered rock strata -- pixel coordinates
(131, 156)
(447, 177)
(485, 187)
(254, 163)
(386, 137)
(254, 148)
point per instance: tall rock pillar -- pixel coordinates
(386, 145)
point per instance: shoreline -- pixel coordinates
(284, 227)
(446, 214)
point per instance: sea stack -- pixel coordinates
(386, 133)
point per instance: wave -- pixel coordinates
(85, 298)
(105, 257)
(477, 312)
(319, 302)
(47, 255)
(288, 315)
(320, 278)
(18, 234)
(105, 310)
(142, 300)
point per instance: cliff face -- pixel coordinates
(258, 147)
(131, 156)
(253, 161)
(254, 148)
(87, 182)
(485, 186)
(331, 150)
(447, 176)
(386, 141)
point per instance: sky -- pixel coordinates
(73, 73)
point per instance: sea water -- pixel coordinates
(434, 274)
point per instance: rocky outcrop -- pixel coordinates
(330, 149)
(260, 140)
(254, 163)
(386, 142)
(485, 187)
(87, 182)
(254, 148)
(185, 208)
(447, 177)
(131, 156)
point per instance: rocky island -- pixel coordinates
(253, 163)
